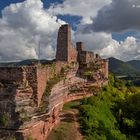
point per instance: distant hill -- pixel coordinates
(27, 62)
(124, 68)
(134, 63)
(116, 66)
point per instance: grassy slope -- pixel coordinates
(64, 131)
(67, 130)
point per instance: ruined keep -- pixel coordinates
(30, 100)
(65, 50)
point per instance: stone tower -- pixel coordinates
(79, 46)
(65, 50)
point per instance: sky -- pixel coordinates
(108, 27)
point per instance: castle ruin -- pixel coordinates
(26, 108)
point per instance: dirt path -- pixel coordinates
(68, 128)
(72, 115)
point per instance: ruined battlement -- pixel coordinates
(65, 50)
(35, 76)
(23, 99)
(11, 74)
(79, 46)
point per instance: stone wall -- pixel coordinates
(106, 68)
(22, 89)
(84, 56)
(79, 46)
(65, 49)
(12, 74)
(35, 76)
(40, 128)
(22, 98)
(44, 74)
(89, 57)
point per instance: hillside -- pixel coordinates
(113, 114)
(26, 62)
(124, 68)
(134, 63)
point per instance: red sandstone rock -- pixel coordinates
(23, 88)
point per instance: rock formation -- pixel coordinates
(31, 97)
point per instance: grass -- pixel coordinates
(71, 105)
(65, 131)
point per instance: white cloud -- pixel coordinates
(22, 26)
(84, 8)
(126, 50)
(94, 41)
(99, 42)
(106, 46)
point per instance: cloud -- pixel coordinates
(84, 8)
(106, 46)
(104, 16)
(125, 50)
(93, 41)
(118, 16)
(23, 26)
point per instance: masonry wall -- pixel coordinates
(89, 57)
(65, 49)
(23, 90)
(29, 83)
(35, 76)
(12, 74)
(72, 57)
(106, 68)
(44, 74)
(15, 94)
(83, 56)
(63, 42)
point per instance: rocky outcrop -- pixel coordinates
(31, 97)
(22, 117)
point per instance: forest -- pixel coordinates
(113, 114)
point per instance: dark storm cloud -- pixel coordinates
(120, 15)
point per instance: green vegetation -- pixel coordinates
(53, 68)
(4, 119)
(54, 80)
(31, 138)
(114, 114)
(124, 68)
(88, 74)
(24, 117)
(49, 85)
(71, 105)
(65, 131)
(12, 138)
